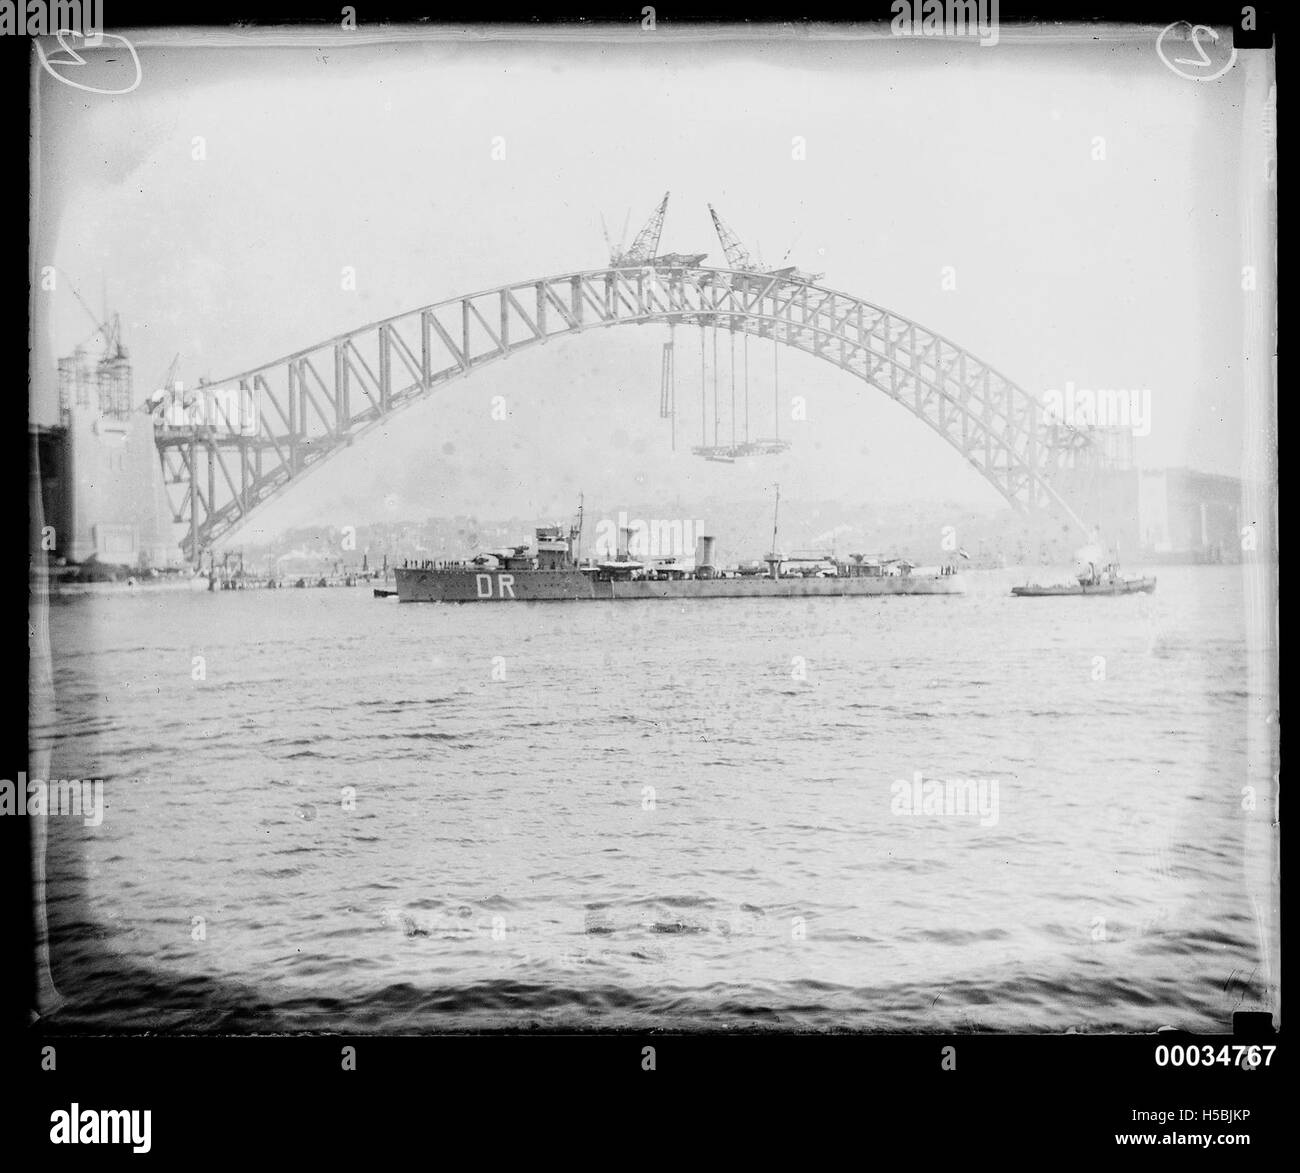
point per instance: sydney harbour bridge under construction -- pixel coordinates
(221, 461)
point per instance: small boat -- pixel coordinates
(380, 593)
(1120, 586)
(1096, 579)
(1094, 576)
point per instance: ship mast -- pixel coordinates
(575, 533)
(776, 512)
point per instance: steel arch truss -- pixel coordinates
(272, 424)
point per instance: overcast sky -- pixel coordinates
(921, 154)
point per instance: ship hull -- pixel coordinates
(451, 586)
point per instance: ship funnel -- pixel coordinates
(704, 557)
(624, 542)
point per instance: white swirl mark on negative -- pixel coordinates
(1201, 60)
(74, 59)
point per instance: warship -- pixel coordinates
(551, 571)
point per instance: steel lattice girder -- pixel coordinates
(311, 404)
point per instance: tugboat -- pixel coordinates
(1093, 578)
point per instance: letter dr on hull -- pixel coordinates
(505, 583)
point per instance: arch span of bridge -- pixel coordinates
(300, 410)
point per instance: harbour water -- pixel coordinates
(325, 811)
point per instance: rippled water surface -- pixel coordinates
(422, 817)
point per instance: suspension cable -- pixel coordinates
(776, 383)
(746, 386)
(715, 382)
(733, 388)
